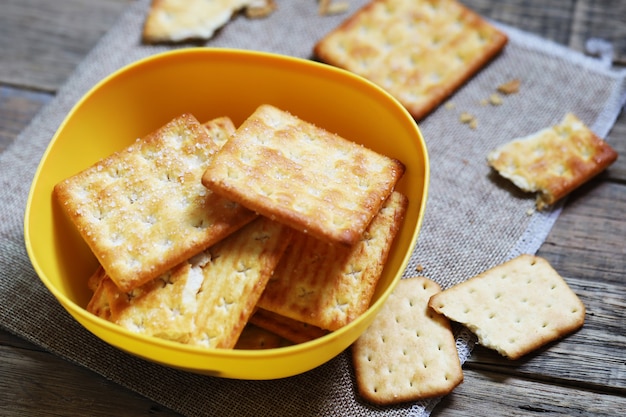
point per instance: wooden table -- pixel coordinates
(41, 41)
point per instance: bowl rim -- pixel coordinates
(78, 311)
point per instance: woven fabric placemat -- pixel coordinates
(474, 219)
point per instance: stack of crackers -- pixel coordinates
(200, 229)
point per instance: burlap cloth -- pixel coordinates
(473, 221)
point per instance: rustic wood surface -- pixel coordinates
(41, 42)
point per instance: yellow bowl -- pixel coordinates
(210, 83)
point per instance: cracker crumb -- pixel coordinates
(510, 87)
(450, 105)
(495, 99)
(327, 7)
(484, 102)
(469, 119)
(258, 9)
(419, 268)
(465, 117)
(530, 211)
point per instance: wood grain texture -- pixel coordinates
(43, 41)
(494, 394)
(17, 108)
(583, 374)
(33, 381)
(568, 22)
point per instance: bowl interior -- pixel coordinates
(211, 83)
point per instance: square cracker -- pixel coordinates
(255, 338)
(143, 210)
(180, 20)
(206, 300)
(553, 161)
(329, 285)
(409, 352)
(293, 330)
(420, 51)
(304, 176)
(514, 308)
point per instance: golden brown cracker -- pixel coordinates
(181, 20)
(408, 353)
(514, 308)
(254, 338)
(206, 300)
(143, 210)
(553, 161)
(328, 285)
(290, 329)
(236, 274)
(420, 51)
(304, 176)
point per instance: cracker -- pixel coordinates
(181, 20)
(206, 300)
(419, 51)
(514, 308)
(304, 176)
(408, 353)
(143, 210)
(239, 271)
(329, 285)
(292, 330)
(254, 338)
(553, 161)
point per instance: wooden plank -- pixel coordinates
(36, 383)
(43, 41)
(600, 19)
(492, 394)
(617, 139)
(17, 108)
(588, 238)
(569, 23)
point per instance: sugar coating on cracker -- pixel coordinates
(143, 210)
(330, 285)
(409, 352)
(420, 51)
(514, 308)
(302, 175)
(553, 161)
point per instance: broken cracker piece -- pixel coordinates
(553, 161)
(514, 308)
(181, 20)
